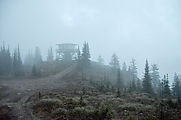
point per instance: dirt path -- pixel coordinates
(16, 93)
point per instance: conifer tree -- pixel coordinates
(176, 87)
(37, 56)
(50, 55)
(85, 57)
(17, 63)
(124, 67)
(5, 61)
(29, 59)
(119, 80)
(133, 70)
(147, 80)
(114, 62)
(138, 85)
(166, 87)
(155, 78)
(78, 55)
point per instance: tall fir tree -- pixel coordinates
(37, 56)
(147, 87)
(166, 88)
(5, 60)
(17, 63)
(119, 80)
(124, 67)
(85, 57)
(176, 87)
(114, 62)
(133, 76)
(29, 59)
(78, 55)
(50, 55)
(155, 78)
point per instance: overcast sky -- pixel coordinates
(130, 28)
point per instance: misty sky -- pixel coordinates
(130, 28)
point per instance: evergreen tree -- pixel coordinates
(176, 87)
(147, 80)
(124, 67)
(119, 80)
(155, 78)
(17, 63)
(50, 55)
(85, 58)
(78, 55)
(114, 62)
(118, 92)
(138, 85)
(35, 71)
(166, 87)
(79, 60)
(37, 57)
(133, 70)
(29, 59)
(19, 57)
(5, 61)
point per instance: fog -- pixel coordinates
(137, 29)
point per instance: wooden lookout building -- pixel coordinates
(66, 51)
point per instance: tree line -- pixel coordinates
(126, 77)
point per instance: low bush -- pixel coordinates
(130, 107)
(106, 112)
(83, 112)
(59, 112)
(49, 103)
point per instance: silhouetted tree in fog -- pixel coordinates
(85, 57)
(37, 56)
(147, 87)
(133, 70)
(29, 59)
(119, 80)
(114, 63)
(166, 88)
(50, 55)
(78, 55)
(155, 77)
(176, 87)
(35, 71)
(5, 61)
(17, 63)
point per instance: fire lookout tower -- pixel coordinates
(66, 51)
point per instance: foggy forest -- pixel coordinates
(90, 60)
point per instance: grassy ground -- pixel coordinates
(82, 102)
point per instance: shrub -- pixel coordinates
(82, 102)
(105, 111)
(48, 103)
(84, 112)
(73, 101)
(59, 112)
(130, 107)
